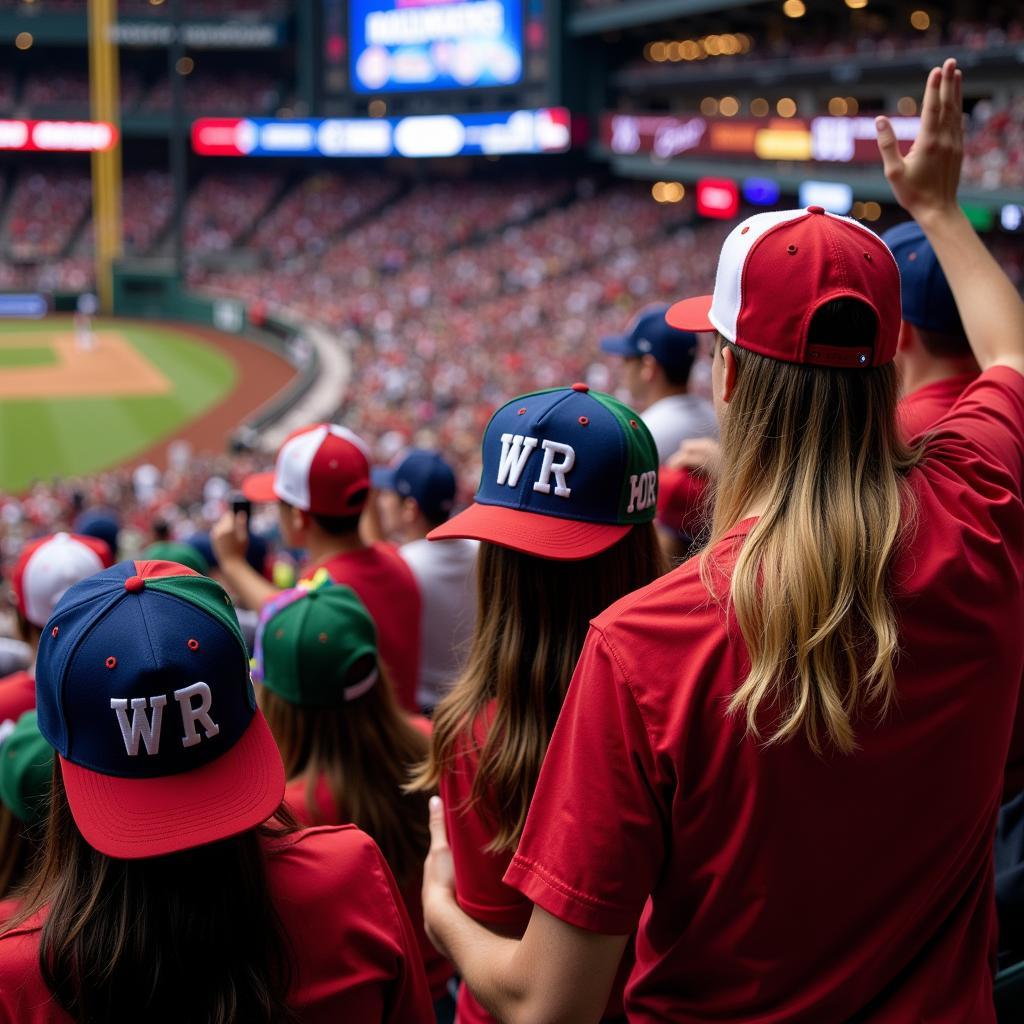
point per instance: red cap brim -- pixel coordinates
(259, 487)
(530, 532)
(134, 818)
(691, 314)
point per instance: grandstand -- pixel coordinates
(400, 237)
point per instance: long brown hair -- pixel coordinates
(820, 450)
(15, 851)
(533, 617)
(365, 750)
(190, 937)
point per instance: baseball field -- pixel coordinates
(68, 408)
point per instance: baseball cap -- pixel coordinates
(49, 565)
(927, 299)
(175, 551)
(143, 690)
(101, 523)
(26, 767)
(777, 269)
(423, 476)
(309, 640)
(566, 473)
(650, 334)
(323, 469)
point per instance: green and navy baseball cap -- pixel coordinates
(177, 551)
(26, 767)
(308, 642)
(143, 690)
(567, 472)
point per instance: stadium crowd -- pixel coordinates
(441, 761)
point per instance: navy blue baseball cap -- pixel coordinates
(651, 335)
(566, 473)
(423, 476)
(143, 690)
(924, 291)
(101, 523)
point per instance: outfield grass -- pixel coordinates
(41, 438)
(26, 355)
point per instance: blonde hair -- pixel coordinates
(534, 616)
(818, 450)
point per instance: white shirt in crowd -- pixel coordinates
(446, 573)
(677, 418)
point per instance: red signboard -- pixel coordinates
(817, 139)
(58, 136)
(718, 198)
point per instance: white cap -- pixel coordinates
(48, 566)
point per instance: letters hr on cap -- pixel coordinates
(146, 728)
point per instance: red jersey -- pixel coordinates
(784, 886)
(386, 585)
(682, 502)
(17, 695)
(355, 952)
(479, 889)
(919, 411)
(439, 970)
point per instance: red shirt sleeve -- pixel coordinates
(594, 843)
(987, 420)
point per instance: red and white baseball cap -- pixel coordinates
(777, 269)
(49, 565)
(323, 469)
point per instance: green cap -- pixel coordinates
(26, 768)
(307, 642)
(174, 551)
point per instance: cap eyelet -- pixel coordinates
(322, 638)
(868, 256)
(634, 424)
(791, 249)
(584, 420)
(911, 256)
(522, 412)
(278, 634)
(54, 632)
(111, 662)
(744, 229)
(193, 645)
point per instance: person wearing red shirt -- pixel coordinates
(798, 823)
(46, 567)
(565, 512)
(321, 481)
(348, 749)
(172, 886)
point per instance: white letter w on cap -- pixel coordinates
(142, 726)
(515, 450)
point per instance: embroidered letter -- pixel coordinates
(142, 726)
(190, 715)
(515, 450)
(551, 449)
(642, 491)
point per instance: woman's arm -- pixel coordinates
(924, 184)
(555, 973)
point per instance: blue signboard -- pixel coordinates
(22, 306)
(416, 45)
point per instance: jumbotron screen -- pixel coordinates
(423, 45)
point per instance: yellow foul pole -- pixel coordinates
(106, 167)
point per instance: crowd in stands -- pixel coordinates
(137, 8)
(225, 206)
(43, 210)
(218, 92)
(994, 149)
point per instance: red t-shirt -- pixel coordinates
(681, 500)
(355, 952)
(386, 585)
(439, 970)
(17, 695)
(785, 886)
(920, 410)
(479, 889)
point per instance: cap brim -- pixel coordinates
(259, 487)
(530, 532)
(618, 345)
(383, 478)
(691, 315)
(134, 818)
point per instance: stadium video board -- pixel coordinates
(424, 45)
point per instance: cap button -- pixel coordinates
(134, 584)
(581, 387)
(815, 209)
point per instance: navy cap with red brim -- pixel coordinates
(691, 314)
(531, 532)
